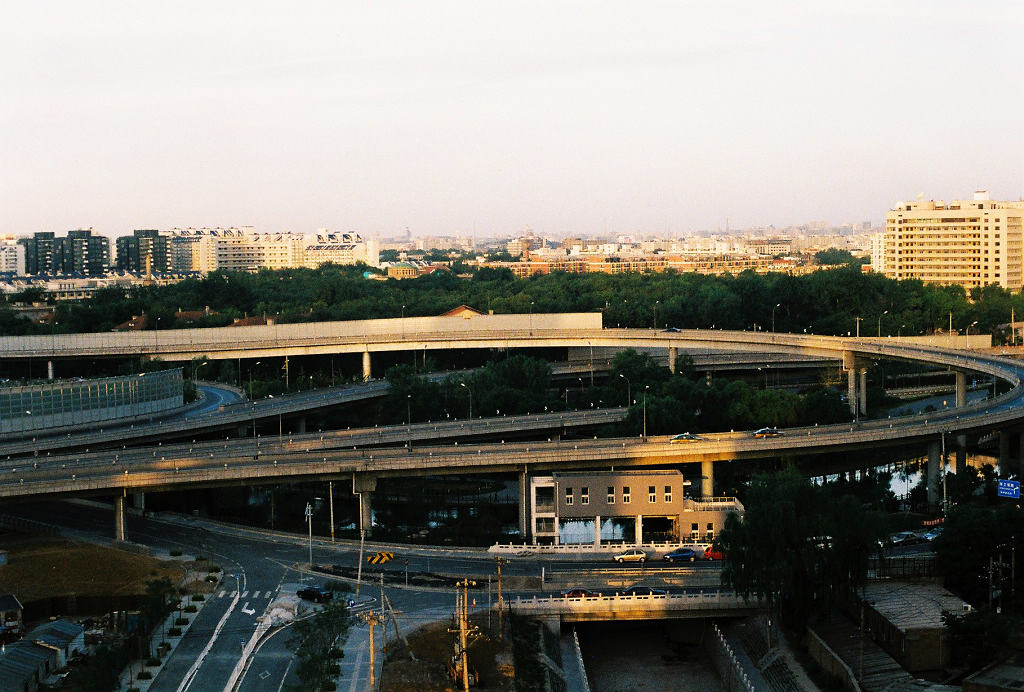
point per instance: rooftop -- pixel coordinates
(911, 606)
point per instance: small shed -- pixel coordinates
(65, 636)
(11, 614)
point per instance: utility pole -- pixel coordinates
(462, 613)
(362, 537)
(330, 494)
(501, 630)
(372, 619)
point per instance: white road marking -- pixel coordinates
(255, 594)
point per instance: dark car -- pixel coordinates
(681, 554)
(578, 592)
(316, 594)
(638, 590)
(672, 330)
(768, 432)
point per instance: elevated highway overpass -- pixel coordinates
(711, 603)
(239, 462)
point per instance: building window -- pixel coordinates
(584, 495)
(611, 495)
(652, 494)
(625, 494)
(668, 493)
(568, 496)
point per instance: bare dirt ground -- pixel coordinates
(432, 645)
(38, 567)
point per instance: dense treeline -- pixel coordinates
(824, 302)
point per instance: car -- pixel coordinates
(631, 555)
(713, 552)
(904, 538)
(317, 594)
(681, 554)
(638, 590)
(768, 432)
(685, 437)
(933, 534)
(673, 330)
(579, 592)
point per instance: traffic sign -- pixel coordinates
(1009, 489)
(379, 558)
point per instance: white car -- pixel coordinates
(632, 555)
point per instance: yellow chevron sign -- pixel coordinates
(379, 558)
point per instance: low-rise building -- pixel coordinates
(11, 612)
(633, 507)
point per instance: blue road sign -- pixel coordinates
(1009, 489)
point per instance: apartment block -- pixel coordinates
(969, 243)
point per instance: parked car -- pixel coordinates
(932, 534)
(681, 554)
(713, 552)
(686, 437)
(579, 592)
(638, 590)
(674, 330)
(317, 594)
(905, 538)
(631, 555)
(768, 432)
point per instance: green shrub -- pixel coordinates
(174, 632)
(190, 609)
(144, 675)
(334, 669)
(181, 621)
(198, 597)
(175, 553)
(215, 568)
(152, 661)
(212, 578)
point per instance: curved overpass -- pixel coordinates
(238, 462)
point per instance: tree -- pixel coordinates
(797, 545)
(315, 639)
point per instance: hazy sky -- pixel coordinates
(487, 117)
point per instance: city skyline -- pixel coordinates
(485, 120)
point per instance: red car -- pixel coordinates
(713, 552)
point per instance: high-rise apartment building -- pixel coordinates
(969, 243)
(80, 252)
(12, 255)
(142, 250)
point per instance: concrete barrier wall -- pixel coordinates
(829, 661)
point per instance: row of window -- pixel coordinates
(652, 495)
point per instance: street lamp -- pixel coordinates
(655, 325)
(195, 370)
(899, 332)
(646, 387)
(531, 318)
(470, 390)
(968, 332)
(629, 390)
(408, 420)
(777, 305)
(250, 377)
(884, 312)
(309, 521)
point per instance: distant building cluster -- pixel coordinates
(968, 243)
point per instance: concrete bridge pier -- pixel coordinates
(672, 354)
(367, 372)
(139, 501)
(932, 472)
(363, 485)
(1004, 449)
(863, 391)
(49, 369)
(707, 481)
(961, 388)
(120, 526)
(597, 531)
(300, 424)
(960, 455)
(524, 531)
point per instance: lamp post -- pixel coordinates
(968, 331)
(629, 390)
(195, 370)
(470, 390)
(858, 319)
(884, 312)
(531, 318)
(250, 377)
(309, 521)
(655, 324)
(408, 420)
(646, 387)
(777, 305)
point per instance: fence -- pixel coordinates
(63, 403)
(729, 668)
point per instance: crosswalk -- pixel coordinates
(266, 595)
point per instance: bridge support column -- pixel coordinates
(707, 481)
(638, 530)
(363, 485)
(1004, 449)
(851, 389)
(863, 391)
(960, 455)
(523, 504)
(932, 472)
(139, 501)
(672, 354)
(49, 369)
(300, 424)
(120, 527)
(367, 372)
(961, 388)
(597, 531)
